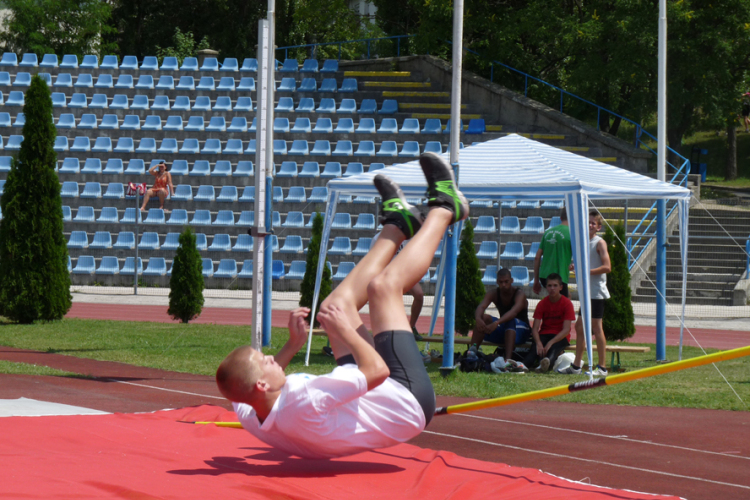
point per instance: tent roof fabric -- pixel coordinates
(514, 167)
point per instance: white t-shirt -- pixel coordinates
(335, 415)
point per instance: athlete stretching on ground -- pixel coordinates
(380, 394)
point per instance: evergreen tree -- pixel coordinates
(307, 288)
(619, 322)
(34, 279)
(471, 291)
(186, 282)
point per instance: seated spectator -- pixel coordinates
(163, 180)
(551, 332)
(512, 327)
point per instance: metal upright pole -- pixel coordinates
(661, 205)
(452, 236)
(135, 263)
(271, 86)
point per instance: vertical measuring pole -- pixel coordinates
(135, 263)
(661, 205)
(259, 225)
(270, 76)
(452, 233)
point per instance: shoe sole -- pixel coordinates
(431, 162)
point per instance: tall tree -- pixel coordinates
(471, 291)
(186, 282)
(307, 288)
(34, 279)
(619, 321)
(59, 27)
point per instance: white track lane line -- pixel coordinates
(598, 462)
(164, 389)
(594, 434)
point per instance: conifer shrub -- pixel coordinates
(619, 321)
(307, 288)
(469, 286)
(186, 282)
(34, 279)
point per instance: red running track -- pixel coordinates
(717, 339)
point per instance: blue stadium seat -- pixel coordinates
(179, 167)
(70, 166)
(210, 64)
(84, 214)
(319, 194)
(195, 123)
(531, 255)
(367, 126)
(278, 194)
(102, 240)
(292, 243)
(509, 204)
(228, 194)
(476, 126)
(145, 82)
(4, 79)
(529, 204)
(410, 149)
(220, 243)
(310, 169)
(14, 142)
(29, 60)
(135, 166)
(88, 121)
(277, 269)
(9, 59)
(15, 98)
(181, 103)
(490, 275)
(554, 221)
(124, 81)
(170, 64)
(354, 168)
(201, 243)
(432, 126)
(227, 269)
(388, 126)
(189, 64)
(330, 66)
(173, 123)
(247, 267)
(233, 147)
(365, 200)
(410, 126)
(285, 105)
(202, 103)
(239, 124)
(247, 84)
(276, 222)
(347, 106)
(344, 126)
(389, 107)
(244, 169)
(365, 221)
(363, 246)
(161, 103)
(513, 251)
(222, 168)
(140, 101)
(128, 217)
(244, 104)
(365, 148)
(250, 65)
(487, 250)
(206, 83)
(342, 220)
(229, 64)
(109, 265)
(171, 241)
(119, 101)
(98, 101)
(191, 146)
(321, 147)
(205, 193)
(78, 239)
(327, 105)
(48, 61)
(294, 219)
(554, 204)
(332, 170)
(287, 169)
(510, 225)
(224, 218)
(244, 243)
(296, 194)
(128, 267)
(5, 163)
(157, 266)
(20, 120)
(534, 225)
(104, 82)
(485, 224)
(146, 145)
(247, 218)
(280, 125)
(113, 166)
(289, 66)
(23, 79)
(248, 194)
(131, 122)
(388, 148)
(93, 165)
(59, 100)
(343, 148)
(178, 217)
(433, 147)
(166, 82)
(250, 145)
(63, 80)
(323, 126)
(129, 62)
(108, 215)
(155, 216)
(309, 66)
(308, 85)
(328, 85)
(296, 270)
(520, 275)
(67, 214)
(85, 265)
(342, 271)
(201, 218)
(287, 85)
(80, 144)
(348, 85)
(102, 145)
(217, 124)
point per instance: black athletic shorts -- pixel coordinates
(597, 308)
(563, 290)
(401, 354)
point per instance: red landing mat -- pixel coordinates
(152, 456)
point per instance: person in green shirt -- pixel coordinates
(557, 252)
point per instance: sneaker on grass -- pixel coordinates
(570, 370)
(600, 371)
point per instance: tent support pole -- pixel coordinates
(661, 211)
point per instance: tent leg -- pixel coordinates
(661, 281)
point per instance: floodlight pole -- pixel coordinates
(661, 205)
(452, 234)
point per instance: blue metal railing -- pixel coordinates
(679, 177)
(747, 251)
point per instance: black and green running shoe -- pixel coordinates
(441, 186)
(396, 210)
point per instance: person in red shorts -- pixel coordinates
(551, 331)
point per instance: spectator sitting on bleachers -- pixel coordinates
(512, 327)
(163, 180)
(551, 331)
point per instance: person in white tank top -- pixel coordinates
(600, 266)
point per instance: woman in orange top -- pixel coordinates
(163, 179)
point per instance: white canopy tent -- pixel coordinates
(513, 168)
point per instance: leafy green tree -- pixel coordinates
(186, 282)
(59, 27)
(184, 46)
(307, 288)
(34, 279)
(471, 291)
(618, 322)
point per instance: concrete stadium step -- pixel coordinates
(389, 85)
(675, 298)
(720, 296)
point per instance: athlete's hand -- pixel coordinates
(298, 326)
